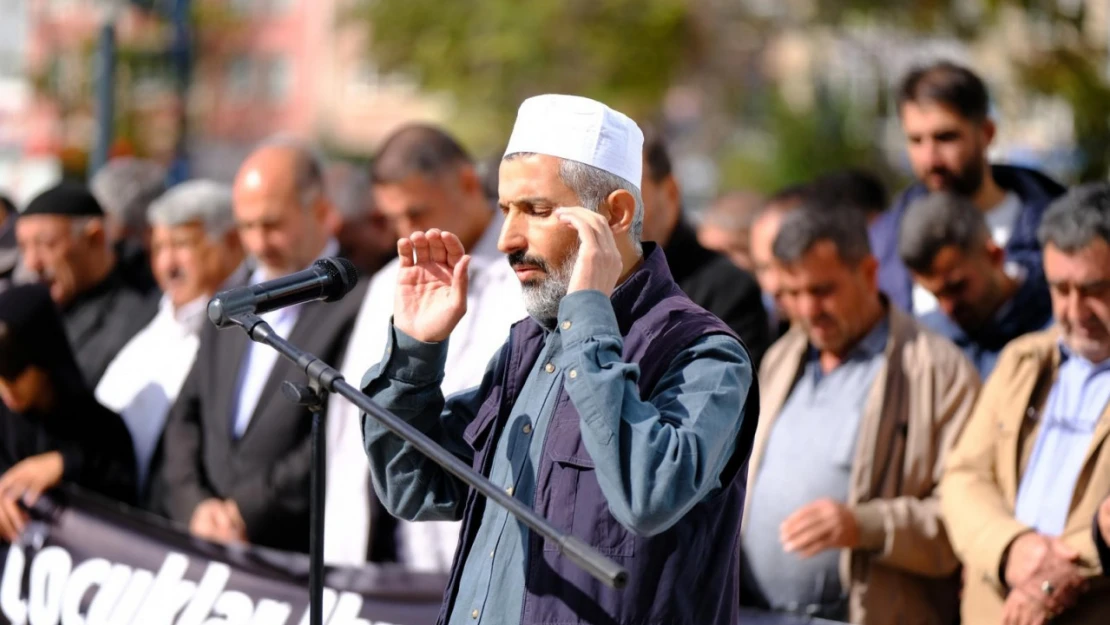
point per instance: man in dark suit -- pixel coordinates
(237, 453)
(708, 278)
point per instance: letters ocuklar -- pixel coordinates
(58, 593)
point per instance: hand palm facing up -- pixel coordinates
(431, 285)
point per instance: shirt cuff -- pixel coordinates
(585, 315)
(413, 361)
(871, 520)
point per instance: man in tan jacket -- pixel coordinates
(1027, 476)
(859, 405)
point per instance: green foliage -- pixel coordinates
(800, 146)
(1073, 75)
(492, 54)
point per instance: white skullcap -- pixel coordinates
(580, 129)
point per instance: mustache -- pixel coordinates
(519, 258)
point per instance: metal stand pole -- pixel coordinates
(105, 74)
(315, 399)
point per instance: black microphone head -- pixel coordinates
(343, 276)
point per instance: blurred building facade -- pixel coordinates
(259, 67)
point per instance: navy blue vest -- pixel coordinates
(686, 575)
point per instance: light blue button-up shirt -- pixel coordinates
(809, 456)
(654, 459)
(1075, 405)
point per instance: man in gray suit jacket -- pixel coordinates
(237, 453)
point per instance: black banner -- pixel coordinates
(84, 561)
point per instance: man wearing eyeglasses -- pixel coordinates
(1031, 469)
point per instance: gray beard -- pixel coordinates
(542, 299)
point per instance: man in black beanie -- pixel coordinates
(62, 240)
(52, 430)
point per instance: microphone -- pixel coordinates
(328, 279)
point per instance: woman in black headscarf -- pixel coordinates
(52, 429)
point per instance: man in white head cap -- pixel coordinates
(619, 410)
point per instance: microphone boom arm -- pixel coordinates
(330, 380)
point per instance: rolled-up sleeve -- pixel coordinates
(655, 459)
(406, 382)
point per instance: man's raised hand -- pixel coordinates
(431, 285)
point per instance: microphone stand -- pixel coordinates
(324, 379)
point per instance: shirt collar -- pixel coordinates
(871, 345)
(1068, 356)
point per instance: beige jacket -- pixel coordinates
(980, 484)
(906, 572)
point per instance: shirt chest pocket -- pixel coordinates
(577, 505)
(477, 432)
(845, 441)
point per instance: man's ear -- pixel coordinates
(995, 254)
(469, 182)
(869, 269)
(672, 192)
(989, 131)
(95, 230)
(622, 211)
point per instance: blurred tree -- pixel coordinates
(492, 54)
(791, 147)
(1062, 56)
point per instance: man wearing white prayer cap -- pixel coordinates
(618, 410)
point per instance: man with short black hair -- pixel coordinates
(860, 405)
(64, 244)
(945, 116)
(710, 279)
(1031, 469)
(850, 189)
(984, 302)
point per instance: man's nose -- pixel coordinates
(33, 260)
(511, 238)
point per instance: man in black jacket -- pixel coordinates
(63, 240)
(52, 430)
(708, 278)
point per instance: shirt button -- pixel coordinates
(566, 325)
(492, 552)
(474, 614)
(550, 368)
(573, 373)
(509, 490)
(527, 429)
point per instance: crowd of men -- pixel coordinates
(933, 372)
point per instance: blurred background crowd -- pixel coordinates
(901, 207)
